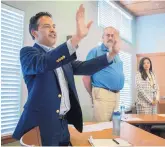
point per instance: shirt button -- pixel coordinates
(59, 95)
(57, 111)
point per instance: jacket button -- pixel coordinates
(57, 111)
(63, 57)
(59, 95)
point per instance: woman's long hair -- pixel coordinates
(141, 68)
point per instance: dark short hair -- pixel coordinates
(141, 68)
(33, 24)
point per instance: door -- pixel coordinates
(158, 63)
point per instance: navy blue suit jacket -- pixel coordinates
(43, 88)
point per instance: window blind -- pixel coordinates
(126, 93)
(110, 14)
(12, 25)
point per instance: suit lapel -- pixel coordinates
(66, 69)
(67, 73)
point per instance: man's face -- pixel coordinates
(109, 37)
(46, 33)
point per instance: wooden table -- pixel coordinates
(134, 135)
(143, 119)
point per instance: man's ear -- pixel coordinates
(102, 37)
(34, 33)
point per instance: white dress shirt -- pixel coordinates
(65, 102)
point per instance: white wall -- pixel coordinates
(64, 18)
(150, 35)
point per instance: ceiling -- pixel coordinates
(144, 7)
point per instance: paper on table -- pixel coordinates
(163, 115)
(131, 119)
(135, 118)
(70, 125)
(103, 142)
(97, 127)
(107, 142)
(122, 142)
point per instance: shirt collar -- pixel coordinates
(104, 48)
(46, 48)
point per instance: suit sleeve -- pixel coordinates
(91, 66)
(35, 62)
(140, 90)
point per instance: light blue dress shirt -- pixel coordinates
(111, 77)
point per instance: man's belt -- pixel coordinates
(114, 91)
(62, 117)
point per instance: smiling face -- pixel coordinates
(46, 32)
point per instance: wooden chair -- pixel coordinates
(161, 106)
(158, 130)
(31, 138)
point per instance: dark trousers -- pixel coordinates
(65, 136)
(60, 139)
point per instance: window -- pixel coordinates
(125, 93)
(109, 14)
(12, 23)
